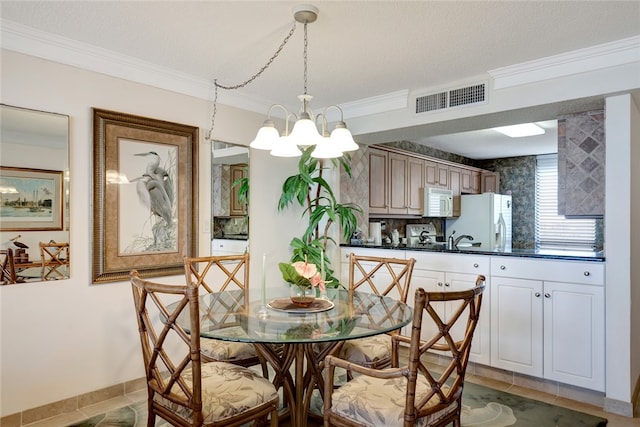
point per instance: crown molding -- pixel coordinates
(376, 104)
(29, 41)
(593, 58)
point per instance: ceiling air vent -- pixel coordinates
(436, 101)
(451, 98)
(466, 95)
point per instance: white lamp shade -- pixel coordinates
(326, 149)
(305, 133)
(343, 140)
(285, 147)
(266, 138)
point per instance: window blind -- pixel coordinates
(554, 231)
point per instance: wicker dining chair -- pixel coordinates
(416, 394)
(217, 274)
(380, 276)
(7, 267)
(182, 389)
(54, 257)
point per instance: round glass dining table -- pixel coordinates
(287, 336)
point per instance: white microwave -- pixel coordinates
(438, 202)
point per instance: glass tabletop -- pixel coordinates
(225, 316)
(49, 273)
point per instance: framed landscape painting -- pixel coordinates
(144, 209)
(30, 199)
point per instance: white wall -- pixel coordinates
(64, 338)
(623, 356)
(634, 232)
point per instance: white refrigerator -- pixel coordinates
(486, 217)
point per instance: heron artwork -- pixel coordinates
(155, 191)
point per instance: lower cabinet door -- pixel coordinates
(574, 334)
(480, 347)
(430, 281)
(516, 325)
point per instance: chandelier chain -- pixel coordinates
(306, 44)
(217, 85)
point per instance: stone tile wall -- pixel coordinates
(581, 164)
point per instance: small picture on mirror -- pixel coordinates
(30, 199)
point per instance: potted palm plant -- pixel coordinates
(309, 189)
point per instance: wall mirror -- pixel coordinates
(34, 195)
(229, 197)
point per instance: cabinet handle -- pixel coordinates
(439, 283)
(475, 265)
(502, 267)
(586, 273)
(547, 295)
(447, 284)
(537, 294)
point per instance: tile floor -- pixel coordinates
(614, 420)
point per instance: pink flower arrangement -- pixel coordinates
(302, 274)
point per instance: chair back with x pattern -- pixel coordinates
(7, 267)
(54, 256)
(215, 274)
(218, 273)
(418, 393)
(167, 372)
(447, 382)
(381, 276)
(181, 388)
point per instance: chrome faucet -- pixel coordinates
(462, 236)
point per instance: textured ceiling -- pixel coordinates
(356, 49)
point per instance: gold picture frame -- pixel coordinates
(144, 196)
(31, 199)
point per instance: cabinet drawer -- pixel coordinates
(228, 247)
(461, 263)
(589, 273)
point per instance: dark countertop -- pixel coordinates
(233, 237)
(521, 253)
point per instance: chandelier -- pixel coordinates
(304, 132)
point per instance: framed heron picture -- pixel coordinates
(30, 199)
(144, 184)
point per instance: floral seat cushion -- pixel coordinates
(227, 390)
(381, 402)
(365, 351)
(227, 351)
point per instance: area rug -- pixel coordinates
(482, 407)
(487, 407)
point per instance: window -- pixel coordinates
(554, 231)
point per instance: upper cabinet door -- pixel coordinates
(430, 173)
(398, 167)
(238, 207)
(415, 185)
(378, 188)
(490, 182)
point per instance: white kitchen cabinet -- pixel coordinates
(228, 247)
(454, 272)
(574, 334)
(547, 319)
(344, 260)
(516, 325)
